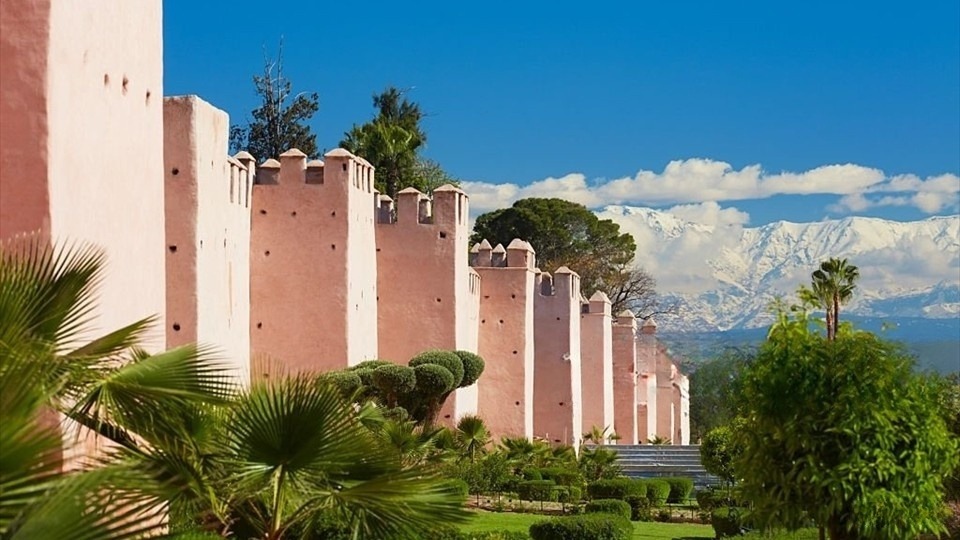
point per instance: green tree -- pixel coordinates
(564, 233)
(833, 285)
(714, 388)
(280, 121)
(472, 436)
(841, 432)
(719, 450)
(392, 142)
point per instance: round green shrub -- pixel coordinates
(473, 366)
(370, 364)
(658, 491)
(616, 488)
(680, 489)
(365, 375)
(608, 506)
(727, 521)
(640, 507)
(537, 490)
(432, 380)
(562, 476)
(583, 527)
(346, 382)
(394, 379)
(570, 494)
(446, 359)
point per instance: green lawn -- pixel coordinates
(506, 521)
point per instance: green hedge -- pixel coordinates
(532, 473)
(568, 494)
(608, 506)
(680, 489)
(583, 527)
(537, 490)
(658, 491)
(616, 488)
(640, 508)
(562, 476)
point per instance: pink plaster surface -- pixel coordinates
(506, 343)
(625, 378)
(596, 356)
(207, 233)
(312, 265)
(557, 413)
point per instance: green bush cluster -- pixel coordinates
(537, 490)
(616, 488)
(452, 533)
(562, 476)
(640, 507)
(680, 489)
(583, 527)
(608, 506)
(658, 491)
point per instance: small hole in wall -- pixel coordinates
(514, 352)
(175, 171)
(333, 214)
(124, 85)
(446, 416)
(558, 318)
(259, 325)
(344, 166)
(443, 234)
(513, 296)
(556, 440)
(501, 321)
(176, 327)
(516, 403)
(561, 404)
(106, 79)
(267, 253)
(263, 212)
(483, 321)
(173, 249)
(146, 98)
(486, 296)
(224, 242)
(438, 300)
(333, 246)
(378, 250)
(294, 213)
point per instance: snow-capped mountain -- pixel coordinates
(726, 276)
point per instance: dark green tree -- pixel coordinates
(280, 121)
(564, 233)
(714, 387)
(841, 432)
(392, 142)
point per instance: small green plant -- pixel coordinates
(608, 506)
(616, 488)
(727, 521)
(659, 441)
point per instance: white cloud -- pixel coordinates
(700, 180)
(710, 213)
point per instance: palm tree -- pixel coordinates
(269, 462)
(833, 285)
(472, 436)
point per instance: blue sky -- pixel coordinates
(750, 111)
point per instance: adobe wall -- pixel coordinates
(624, 378)
(207, 233)
(24, 46)
(427, 295)
(596, 356)
(681, 404)
(646, 406)
(313, 283)
(81, 89)
(506, 338)
(557, 408)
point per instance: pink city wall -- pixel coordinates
(207, 233)
(298, 261)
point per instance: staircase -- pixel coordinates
(652, 461)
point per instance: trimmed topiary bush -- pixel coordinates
(616, 488)
(608, 506)
(346, 382)
(393, 381)
(562, 476)
(569, 494)
(658, 491)
(680, 489)
(727, 521)
(446, 359)
(473, 366)
(432, 380)
(370, 364)
(640, 507)
(583, 527)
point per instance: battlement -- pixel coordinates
(518, 254)
(242, 175)
(339, 167)
(564, 283)
(449, 206)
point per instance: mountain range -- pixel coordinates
(724, 277)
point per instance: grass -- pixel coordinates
(507, 521)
